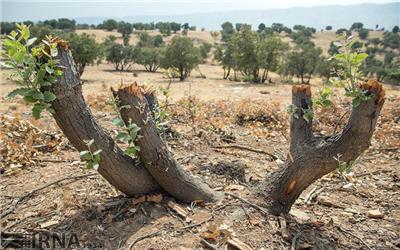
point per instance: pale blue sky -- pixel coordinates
(19, 10)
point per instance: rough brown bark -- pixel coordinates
(154, 151)
(77, 122)
(312, 157)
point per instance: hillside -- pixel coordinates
(385, 15)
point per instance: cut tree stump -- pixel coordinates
(76, 120)
(154, 151)
(311, 156)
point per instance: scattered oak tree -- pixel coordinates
(85, 50)
(181, 55)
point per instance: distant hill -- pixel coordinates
(385, 15)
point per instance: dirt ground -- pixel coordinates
(360, 210)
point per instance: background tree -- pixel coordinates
(223, 54)
(175, 27)
(395, 29)
(7, 27)
(125, 29)
(343, 30)
(150, 57)
(329, 27)
(205, 49)
(110, 24)
(85, 50)
(277, 27)
(122, 56)
(181, 55)
(271, 51)
(261, 27)
(245, 53)
(302, 61)
(227, 31)
(363, 33)
(356, 26)
(164, 28)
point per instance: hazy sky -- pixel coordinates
(19, 10)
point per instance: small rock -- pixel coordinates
(350, 210)
(375, 214)
(326, 201)
(301, 215)
(234, 187)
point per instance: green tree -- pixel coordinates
(277, 27)
(302, 61)
(146, 40)
(181, 55)
(110, 24)
(363, 33)
(223, 54)
(391, 40)
(396, 29)
(227, 31)
(271, 51)
(150, 57)
(122, 56)
(343, 30)
(175, 27)
(7, 27)
(85, 50)
(164, 28)
(205, 48)
(126, 30)
(356, 26)
(329, 27)
(245, 44)
(66, 24)
(261, 27)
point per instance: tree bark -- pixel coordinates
(312, 157)
(78, 124)
(154, 151)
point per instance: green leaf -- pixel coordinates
(95, 166)
(89, 165)
(85, 155)
(327, 103)
(31, 41)
(49, 96)
(19, 91)
(308, 115)
(131, 151)
(49, 70)
(118, 122)
(89, 142)
(360, 57)
(122, 136)
(53, 52)
(356, 102)
(97, 152)
(37, 110)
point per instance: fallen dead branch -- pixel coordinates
(345, 231)
(208, 244)
(14, 204)
(144, 237)
(242, 147)
(262, 210)
(140, 238)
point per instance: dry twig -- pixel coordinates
(273, 157)
(355, 236)
(14, 204)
